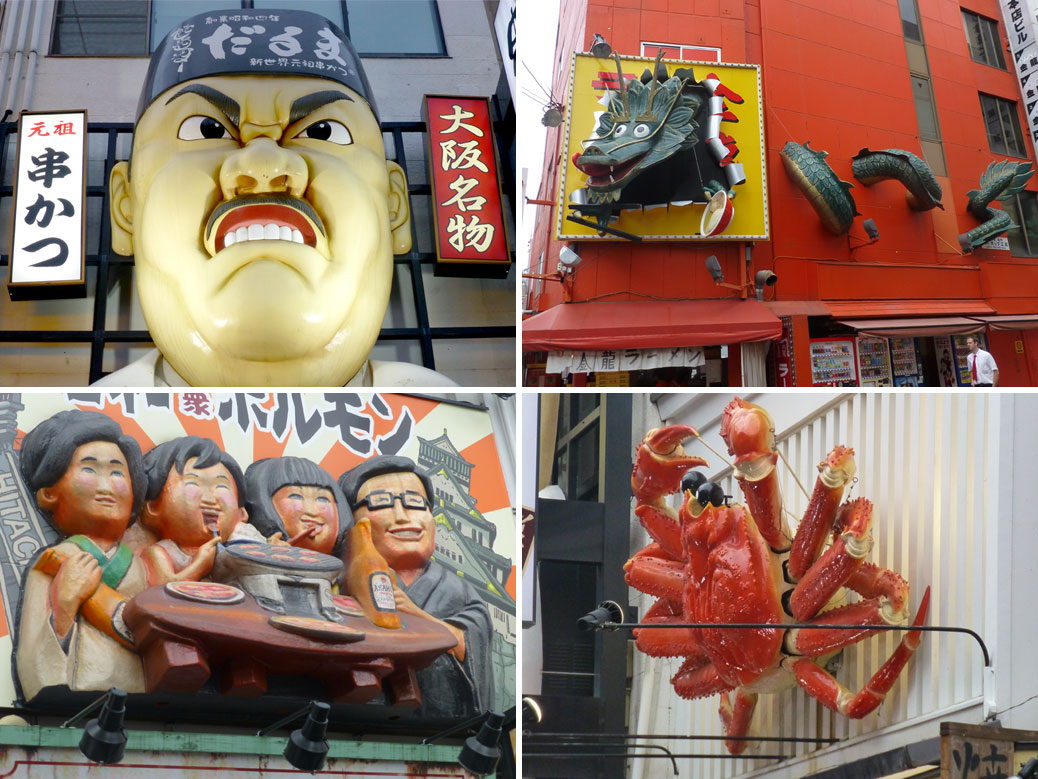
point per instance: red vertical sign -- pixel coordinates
(466, 190)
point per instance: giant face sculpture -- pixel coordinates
(260, 207)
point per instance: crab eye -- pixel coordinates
(620, 130)
(328, 130)
(197, 128)
(641, 131)
(710, 494)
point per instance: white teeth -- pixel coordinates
(257, 232)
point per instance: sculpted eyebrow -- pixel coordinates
(226, 105)
(307, 104)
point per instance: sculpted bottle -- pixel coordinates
(368, 578)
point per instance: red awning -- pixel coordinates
(909, 327)
(1011, 321)
(649, 324)
(792, 307)
(861, 309)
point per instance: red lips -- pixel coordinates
(264, 214)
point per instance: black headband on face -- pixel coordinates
(254, 42)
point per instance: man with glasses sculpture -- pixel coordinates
(394, 497)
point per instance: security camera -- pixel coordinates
(569, 258)
(714, 267)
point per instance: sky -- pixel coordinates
(538, 26)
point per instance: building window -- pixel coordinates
(1003, 126)
(910, 20)
(985, 44)
(577, 451)
(100, 28)
(103, 28)
(1023, 207)
(926, 115)
(675, 51)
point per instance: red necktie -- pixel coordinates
(974, 369)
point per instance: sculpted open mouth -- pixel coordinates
(271, 217)
(407, 533)
(211, 520)
(608, 175)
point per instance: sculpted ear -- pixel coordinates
(399, 209)
(46, 499)
(149, 517)
(120, 208)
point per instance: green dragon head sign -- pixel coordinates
(658, 141)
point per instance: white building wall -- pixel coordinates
(950, 476)
(109, 88)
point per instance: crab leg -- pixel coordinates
(662, 526)
(656, 575)
(736, 719)
(834, 472)
(814, 643)
(747, 431)
(660, 463)
(871, 581)
(664, 642)
(823, 686)
(839, 562)
(697, 678)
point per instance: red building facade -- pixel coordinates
(933, 77)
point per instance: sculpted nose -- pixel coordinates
(262, 166)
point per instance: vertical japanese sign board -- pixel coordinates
(47, 246)
(466, 189)
(1022, 33)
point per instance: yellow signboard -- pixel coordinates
(635, 164)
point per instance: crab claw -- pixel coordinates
(661, 462)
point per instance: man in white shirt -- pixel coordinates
(983, 370)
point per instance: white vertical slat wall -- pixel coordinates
(928, 463)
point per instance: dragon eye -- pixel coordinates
(620, 130)
(641, 131)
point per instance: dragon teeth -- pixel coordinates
(257, 232)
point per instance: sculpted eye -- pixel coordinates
(328, 130)
(197, 128)
(641, 131)
(620, 130)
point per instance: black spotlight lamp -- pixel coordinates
(481, 752)
(104, 738)
(607, 611)
(307, 747)
(600, 47)
(532, 713)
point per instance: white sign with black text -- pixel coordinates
(47, 257)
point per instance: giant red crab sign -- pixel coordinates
(715, 563)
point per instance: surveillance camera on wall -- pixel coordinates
(569, 258)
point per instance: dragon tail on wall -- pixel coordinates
(828, 195)
(924, 191)
(1000, 181)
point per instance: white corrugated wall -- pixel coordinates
(929, 463)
